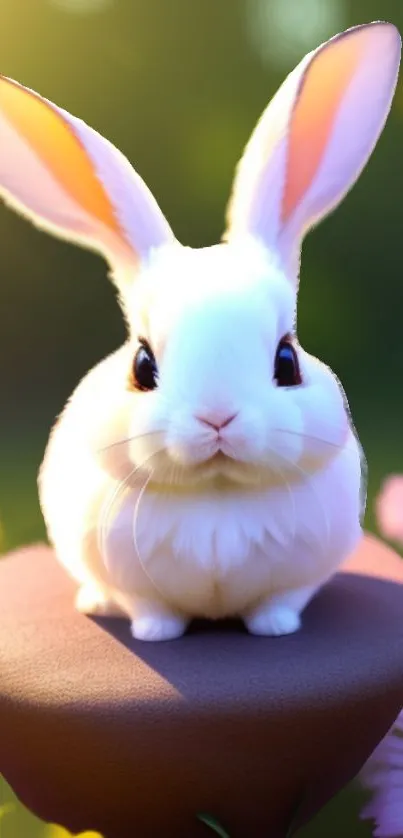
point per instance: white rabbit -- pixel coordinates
(209, 467)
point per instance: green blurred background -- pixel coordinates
(178, 85)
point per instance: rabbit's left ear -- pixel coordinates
(72, 182)
(314, 139)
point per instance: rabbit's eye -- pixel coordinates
(145, 373)
(286, 366)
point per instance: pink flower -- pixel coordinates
(383, 775)
(389, 508)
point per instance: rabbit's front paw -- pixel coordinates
(158, 627)
(92, 600)
(281, 613)
(273, 621)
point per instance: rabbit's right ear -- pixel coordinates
(74, 183)
(314, 139)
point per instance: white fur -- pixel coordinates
(151, 511)
(208, 544)
(359, 118)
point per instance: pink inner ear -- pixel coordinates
(320, 94)
(54, 143)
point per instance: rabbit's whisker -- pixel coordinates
(310, 436)
(175, 474)
(129, 439)
(102, 528)
(279, 472)
(308, 479)
(112, 497)
(134, 532)
(292, 499)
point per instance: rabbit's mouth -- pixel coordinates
(218, 463)
(219, 457)
(220, 472)
(221, 468)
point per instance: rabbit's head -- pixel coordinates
(212, 363)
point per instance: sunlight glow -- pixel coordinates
(82, 6)
(282, 32)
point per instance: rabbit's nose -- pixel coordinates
(216, 421)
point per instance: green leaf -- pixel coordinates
(6, 809)
(16, 821)
(213, 824)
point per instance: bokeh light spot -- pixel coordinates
(82, 6)
(282, 31)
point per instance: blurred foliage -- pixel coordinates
(214, 825)
(18, 822)
(178, 87)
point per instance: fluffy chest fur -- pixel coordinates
(221, 553)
